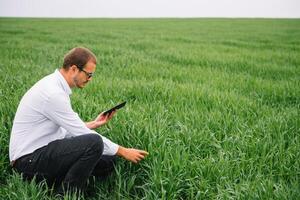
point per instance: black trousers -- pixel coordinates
(67, 163)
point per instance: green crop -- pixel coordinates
(215, 102)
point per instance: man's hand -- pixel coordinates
(100, 120)
(133, 155)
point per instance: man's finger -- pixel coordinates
(143, 152)
(111, 114)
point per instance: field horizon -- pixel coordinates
(215, 101)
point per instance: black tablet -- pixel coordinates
(114, 108)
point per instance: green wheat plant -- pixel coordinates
(214, 101)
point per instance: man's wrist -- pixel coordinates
(91, 125)
(121, 151)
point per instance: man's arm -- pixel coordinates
(58, 109)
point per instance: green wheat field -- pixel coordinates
(214, 101)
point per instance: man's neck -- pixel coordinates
(66, 76)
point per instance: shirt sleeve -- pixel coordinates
(58, 109)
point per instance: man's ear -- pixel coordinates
(73, 68)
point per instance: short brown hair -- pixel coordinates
(78, 56)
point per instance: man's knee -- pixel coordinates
(95, 143)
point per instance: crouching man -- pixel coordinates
(49, 140)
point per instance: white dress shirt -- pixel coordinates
(44, 115)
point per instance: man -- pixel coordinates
(50, 141)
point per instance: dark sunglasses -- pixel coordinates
(88, 74)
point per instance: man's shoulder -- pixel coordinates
(47, 87)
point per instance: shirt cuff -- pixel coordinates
(110, 148)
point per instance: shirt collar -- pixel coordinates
(63, 82)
